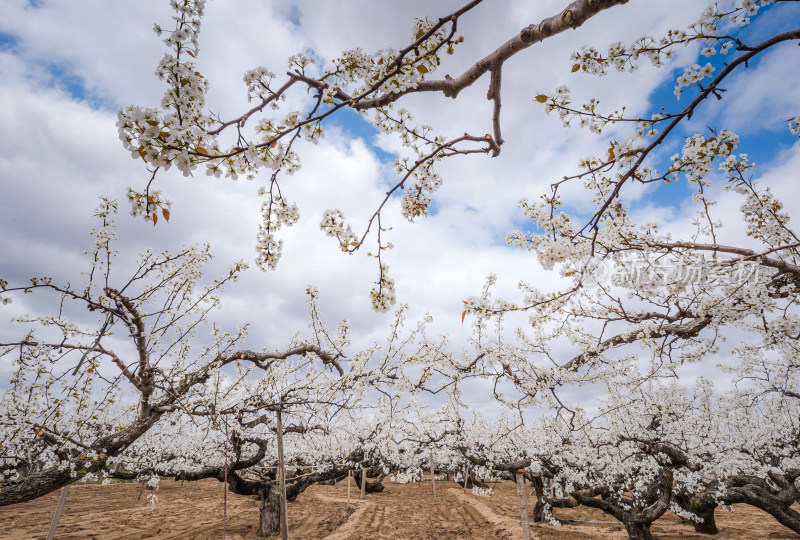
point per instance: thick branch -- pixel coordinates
(572, 17)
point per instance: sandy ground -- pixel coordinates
(400, 512)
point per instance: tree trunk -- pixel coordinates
(538, 508)
(270, 513)
(635, 515)
(703, 507)
(375, 486)
(709, 524)
(472, 481)
(637, 530)
(775, 504)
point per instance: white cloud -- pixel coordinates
(59, 154)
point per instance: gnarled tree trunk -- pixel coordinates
(701, 505)
(775, 500)
(636, 515)
(637, 530)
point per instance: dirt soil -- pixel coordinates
(400, 512)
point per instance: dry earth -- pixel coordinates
(400, 512)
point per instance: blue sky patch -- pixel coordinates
(65, 79)
(356, 127)
(8, 42)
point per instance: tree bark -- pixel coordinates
(776, 502)
(270, 513)
(538, 508)
(703, 507)
(636, 515)
(637, 530)
(376, 486)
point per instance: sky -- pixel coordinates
(66, 68)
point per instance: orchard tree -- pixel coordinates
(242, 453)
(83, 391)
(329, 429)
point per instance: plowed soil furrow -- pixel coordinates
(370, 516)
(378, 520)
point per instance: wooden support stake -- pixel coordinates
(433, 477)
(466, 475)
(192, 490)
(522, 499)
(140, 492)
(282, 477)
(61, 502)
(349, 474)
(363, 483)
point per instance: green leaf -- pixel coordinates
(541, 98)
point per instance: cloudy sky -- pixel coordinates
(67, 67)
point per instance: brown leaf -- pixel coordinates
(541, 98)
(422, 69)
(575, 67)
(155, 219)
(165, 213)
(463, 314)
(201, 150)
(141, 152)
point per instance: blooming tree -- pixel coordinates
(83, 391)
(639, 306)
(182, 133)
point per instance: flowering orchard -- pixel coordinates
(600, 395)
